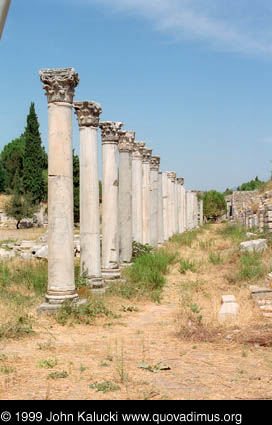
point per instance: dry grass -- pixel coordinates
(205, 359)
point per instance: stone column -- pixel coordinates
(180, 215)
(59, 85)
(173, 208)
(154, 169)
(137, 192)
(160, 210)
(146, 195)
(176, 207)
(4, 7)
(125, 146)
(88, 114)
(165, 205)
(201, 212)
(110, 220)
(170, 205)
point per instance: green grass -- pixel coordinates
(215, 258)
(104, 387)
(48, 363)
(235, 232)
(146, 276)
(186, 238)
(186, 264)
(17, 328)
(251, 267)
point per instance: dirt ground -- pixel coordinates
(123, 353)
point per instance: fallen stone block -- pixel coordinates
(229, 308)
(42, 252)
(258, 245)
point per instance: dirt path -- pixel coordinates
(111, 351)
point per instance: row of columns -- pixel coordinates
(140, 202)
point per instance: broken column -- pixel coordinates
(88, 114)
(146, 195)
(125, 146)
(137, 191)
(59, 85)
(154, 169)
(110, 219)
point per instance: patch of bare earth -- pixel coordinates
(203, 359)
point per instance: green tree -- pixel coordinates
(76, 187)
(12, 158)
(214, 204)
(34, 158)
(228, 192)
(251, 185)
(2, 178)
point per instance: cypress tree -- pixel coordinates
(33, 158)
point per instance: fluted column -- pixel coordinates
(201, 212)
(154, 169)
(88, 114)
(170, 204)
(125, 146)
(146, 195)
(165, 205)
(160, 209)
(59, 85)
(180, 206)
(110, 219)
(176, 203)
(137, 191)
(4, 7)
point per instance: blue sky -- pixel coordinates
(193, 78)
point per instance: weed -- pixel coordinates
(236, 232)
(3, 357)
(82, 368)
(186, 238)
(48, 363)
(215, 258)
(205, 245)
(185, 265)
(251, 266)
(19, 328)
(139, 249)
(7, 370)
(105, 387)
(57, 375)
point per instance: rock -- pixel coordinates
(229, 308)
(258, 245)
(250, 235)
(42, 252)
(6, 254)
(262, 292)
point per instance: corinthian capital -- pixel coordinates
(110, 131)
(172, 176)
(155, 163)
(126, 141)
(138, 149)
(87, 113)
(147, 153)
(180, 181)
(59, 84)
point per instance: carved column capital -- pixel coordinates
(172, 175)
(155, 163)
(59, 84)
(110, 131)
(88, 113)
(138, 149)
(126, 141)
(147, 153)
(180, 181)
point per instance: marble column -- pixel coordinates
(88, 114)
(165, 205)
(146, 195)
(137, 191)
(201, 212)
(154, 170)
(4, 7)
(179, 202)
(176, 207)
(110, 219)
(59, 85)
(160, 210)
(125, 146)
(170, 205)
(173, 207)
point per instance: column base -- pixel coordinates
(124, 265)
(97, 285)
(110, 275)
(53, 302)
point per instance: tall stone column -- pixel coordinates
(180, 218)
(88, 114)
(137, 192)
(125, 146)
(154, 170)
(165, 205)
(59, 85)
(201, 212)
(146, 195)
(174, 201)
(170, 204)
(176, 206)
(4, 7)
(110, 216)
(160, 210)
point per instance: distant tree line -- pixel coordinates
(255, 184)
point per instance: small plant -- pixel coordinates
(19, 328)
(236, 232)
(105, 386)
(57, 375)
(251, 266)
(185, 265)
(215, 258)
(186, 238)
(82, 368)
(139, 249)
(205, 245)
(48, 363)
(7, 370)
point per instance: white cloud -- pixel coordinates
(238, 25)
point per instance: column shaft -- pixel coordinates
(165, 205)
